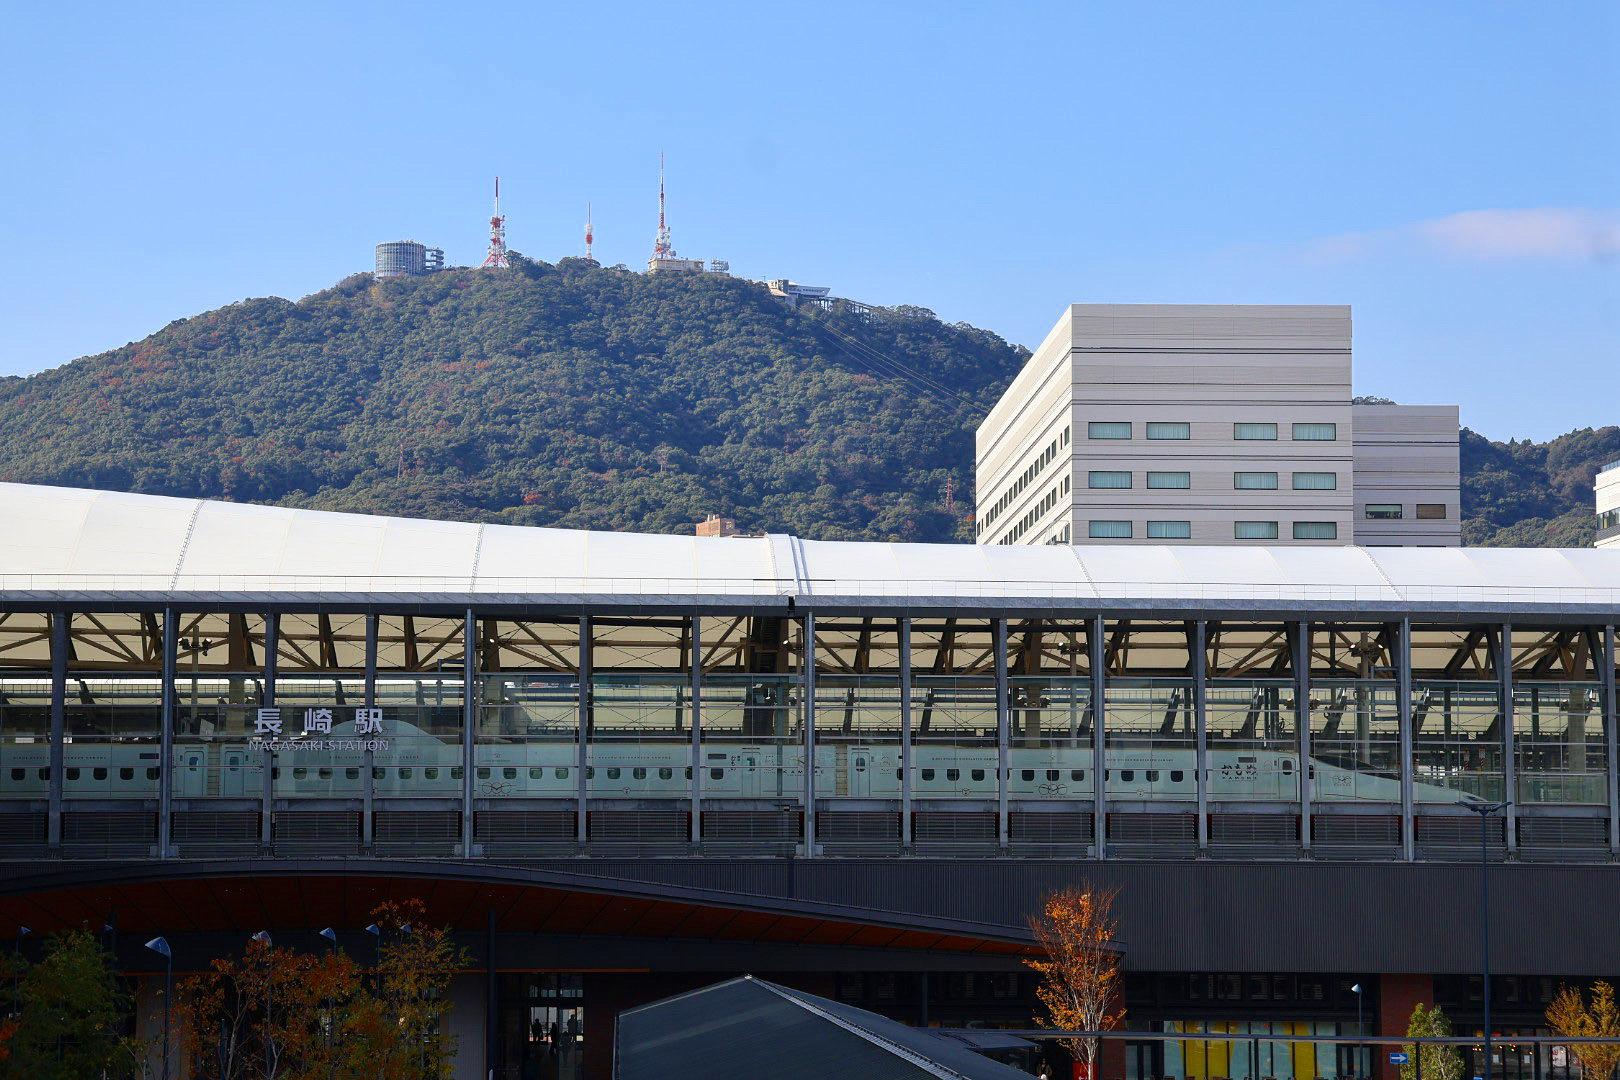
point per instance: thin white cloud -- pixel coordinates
(1546, 233)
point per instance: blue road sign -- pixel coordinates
(1396, 1057)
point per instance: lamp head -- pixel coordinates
(1355, 988)
(330, 935)
(262, 936)
(161, 947)
(23, 931)
(374, 930)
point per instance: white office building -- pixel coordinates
(1608, 505)
(1209, 424)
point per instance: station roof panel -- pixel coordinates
(80, 544)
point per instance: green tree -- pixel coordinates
(1439, 1062)
(70, 1013)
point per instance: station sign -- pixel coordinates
(270, 731)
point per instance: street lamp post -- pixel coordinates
(331, 1011)
(1485, 810)
(161, 947)
(269, 973)
(16, 970)
(1355, 988)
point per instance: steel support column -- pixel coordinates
(60, 643)
(1403, 708)
(368, 783)
(1200, 677)
(696, 713)
(469, 721)
(272, 633)
(1510, 782)
(1302, 720)
(905, 734)
(166, 738)
(1099, 762)
(808, 672)
(1003, 729)
(1611, 720)
(582, 737)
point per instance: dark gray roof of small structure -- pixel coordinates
(748, 1027)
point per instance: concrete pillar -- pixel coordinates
(465, 1024)
(1397, 995)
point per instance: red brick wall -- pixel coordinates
(1397, 994)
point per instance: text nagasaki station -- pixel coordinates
(624, 765)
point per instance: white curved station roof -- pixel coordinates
(69, 543)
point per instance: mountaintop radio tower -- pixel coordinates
(589, 236)
(662, 249)
(496, 259)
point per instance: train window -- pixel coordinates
(126, 774)
(638, 773)
(351, 774)
(1077, 775)
(1053, 774)
(953, 774)
(666, 774)
(1153, 776)
(406, 774)
(928, 774)
(300, 772)
(377, 773)
(1288, 766)
(509, 774)
(275, 772)
(18, 774)
(590, 772)
(1029, 774)
(99, 774)
(1127, 775)
(537, 774)
(483, 774)
(44, 774)
(430, 773)
(73, 774)
(326, 774)
(152, 773)
(978, 774)
(1176, 776)
(613, 773)
(897, 774)
(455, 772)
(689, 772)
(560, 774)
(717, 774)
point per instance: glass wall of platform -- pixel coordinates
(490, 734)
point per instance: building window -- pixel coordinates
(1316, 432)
(1254, 530)
(1109, 530)
(1316, 481)
(1108, 429)
(1315, 530)
(1169, 530)
(1101, 479)
(1383, 511)
(1431, 511)
(1254, 481)
(1254, 432)
(1169, 480)
(1169, 430)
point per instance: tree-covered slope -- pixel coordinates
(584, 396)
(569, 394)
(1529, 494)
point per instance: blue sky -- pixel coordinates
(1451, 170)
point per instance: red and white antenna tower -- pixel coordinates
(588, 234)
(496, 259)
(662, 249)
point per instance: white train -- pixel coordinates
(416, 764)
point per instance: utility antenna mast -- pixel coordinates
(588, 235)
(496, 259)
(662, 249)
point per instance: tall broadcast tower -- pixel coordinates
(496, 259)
(589, 236)
(662, 248)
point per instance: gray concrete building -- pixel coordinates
(1208, 424)
(1608, 505)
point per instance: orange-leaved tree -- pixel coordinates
(1572, 1016)
(1080, 971)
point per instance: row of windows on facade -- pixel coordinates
(1609, 519)
(1031, 472)
(1181, 430)
(1034, 514)
(1182, 530)
(1241, 481)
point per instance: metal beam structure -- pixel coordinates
(807, 671)
(1003, 730)
(1403, 709)
(1099, 765)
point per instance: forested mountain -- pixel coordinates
(578, 395)
(564, 394)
